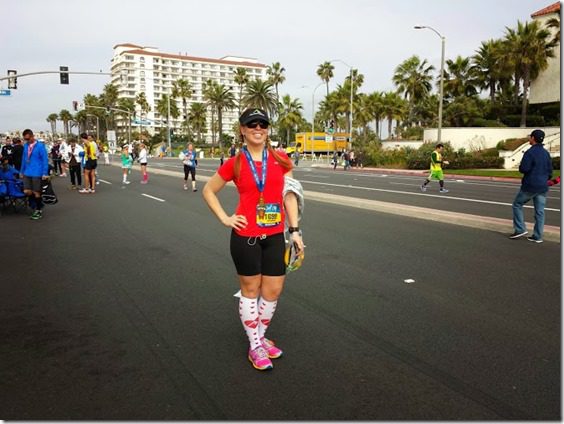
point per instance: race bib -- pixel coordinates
(269, 215)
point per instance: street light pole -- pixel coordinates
(352, 83)
(313, 118)
(441, 83)
(168, 127)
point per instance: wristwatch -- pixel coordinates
(293, 229)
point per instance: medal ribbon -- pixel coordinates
(260, 183)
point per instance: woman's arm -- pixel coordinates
(212, 187)
(291, 207)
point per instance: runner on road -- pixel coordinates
(436, 169)
(257, 238)
(90, 164)
(189, 161)
(126, 163)
(143, 162)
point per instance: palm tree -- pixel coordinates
(393, 108)
(183, 89)
(554, 23)
(208, 92)
(376, 109)
(488, 66)
(66, 117)
(276, 76)
(241, 78)
(162, 108)
(259, 94)
(459, 78)
(198, 118)
(362, 112)
(413, 79)
(290, 115)
(81, 118)
(52, 119)
(126, 103)
(221, 98)
(141, 101)
(329, 107)
(325, 72)
(531, 46)
(109, 98)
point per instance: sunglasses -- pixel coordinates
(262, 124)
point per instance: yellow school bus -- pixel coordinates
(320, 143)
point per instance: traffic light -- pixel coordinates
(64, 75)
(12, 82)
(75, 105)
(331, 128)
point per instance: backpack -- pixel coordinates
(47, 193)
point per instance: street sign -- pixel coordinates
(111, 135)
(141, 122)
(5, 92)
(328, 138)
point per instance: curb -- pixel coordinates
(425, 173)
(500, 225)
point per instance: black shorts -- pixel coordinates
(253, 256)
(91, 164)
(189, 170)
(32, 183)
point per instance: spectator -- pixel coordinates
(7, 151)
(74, 158)
(35, 167)
(17, 153)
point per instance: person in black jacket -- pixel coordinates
(536, 168)
(17, 152)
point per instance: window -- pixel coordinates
(128, 57)
(142, 65)
(142, 87)
(142, 79)
(142, 59)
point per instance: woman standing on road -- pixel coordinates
(143, 162)
(189, 161)
(257, 236)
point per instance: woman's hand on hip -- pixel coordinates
(237, 222)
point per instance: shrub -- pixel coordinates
(481, 122)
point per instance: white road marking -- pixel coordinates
(490, 202)
(153, 197)
(104, 181)
(411, 185)
(409, 281)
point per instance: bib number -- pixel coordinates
(269, 215)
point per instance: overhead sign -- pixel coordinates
(141, 122)
(5, 92)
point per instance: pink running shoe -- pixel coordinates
(259, 359)
(272, 351)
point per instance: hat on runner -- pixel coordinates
(538, 135)
(251, 115)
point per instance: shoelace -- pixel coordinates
(260, 353)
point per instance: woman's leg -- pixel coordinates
(248, 308)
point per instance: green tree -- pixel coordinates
(198, 119)
(52, 119)
(459, 78)
(182, 89)
(108, 99)
(290, 115)
(413, 79)
(241, 78)
(162, 108)
(325, 72)
(141, 101)
(489, 67)
(375, 105)
(394, 108)
(221, 99)
(259, 94)
(531, 46)
(65, 116)
(276, 76)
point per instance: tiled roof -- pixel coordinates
(195, 59)
(553, 8)
(128, 45)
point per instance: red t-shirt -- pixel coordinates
(249, 193)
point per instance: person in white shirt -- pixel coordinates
(143, 162)
(63, 148)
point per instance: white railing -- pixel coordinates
(513, 159)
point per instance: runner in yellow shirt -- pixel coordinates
(436, 169)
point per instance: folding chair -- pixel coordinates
(16, 197)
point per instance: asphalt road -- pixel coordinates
(120, 306)
(484, 198)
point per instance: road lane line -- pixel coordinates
(153, 197)
(490, 202)
(104, 181)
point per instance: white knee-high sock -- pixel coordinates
(248, 312)
(266, 312)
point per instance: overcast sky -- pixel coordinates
(373, 36)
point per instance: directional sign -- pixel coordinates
(141, 122)
(328, 138)
(5, 92)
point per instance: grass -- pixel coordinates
(491, 172)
